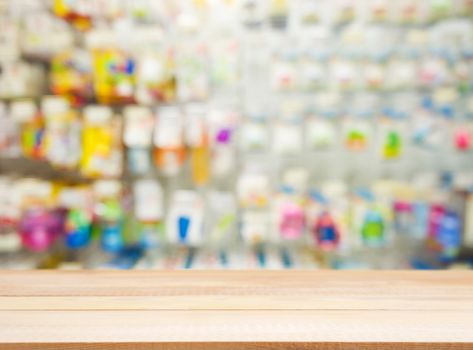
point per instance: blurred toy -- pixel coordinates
(101, 143)
(40, 225)
(326, 232)
(71, 76)
(114, 76)
(78, 202)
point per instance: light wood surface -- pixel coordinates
(236, 310)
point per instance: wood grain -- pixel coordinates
(236, 309)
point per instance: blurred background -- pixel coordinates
(236, 134)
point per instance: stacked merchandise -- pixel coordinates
(236, 133)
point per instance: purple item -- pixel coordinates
(223, 135)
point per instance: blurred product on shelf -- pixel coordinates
(236, 134)
(393, 220)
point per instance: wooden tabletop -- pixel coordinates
(215, 310)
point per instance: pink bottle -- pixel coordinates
(436, 215)
(292, 221)
(39, 228)
(462, 140)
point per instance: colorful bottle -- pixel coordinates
(197, 138)
(290, 213)
(109, 214)
(169, 153)
(185, 219)
(156, 79)
(9, 133)
(137, 137)
(222, 218)
(114, 75)
(62, 133)
(40, 225)
(222, 124)
(71, 76)
(356, 135)
(101, 143)
(78, 201)
(449, 234)
(403, 220)
(31, 122)
(148, 211)
(326, 232)
(373, 229)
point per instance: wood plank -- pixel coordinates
(182, 290)
(234, 302)
(238, 283)
(234, 326)
(236, 309)
(243, 346)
